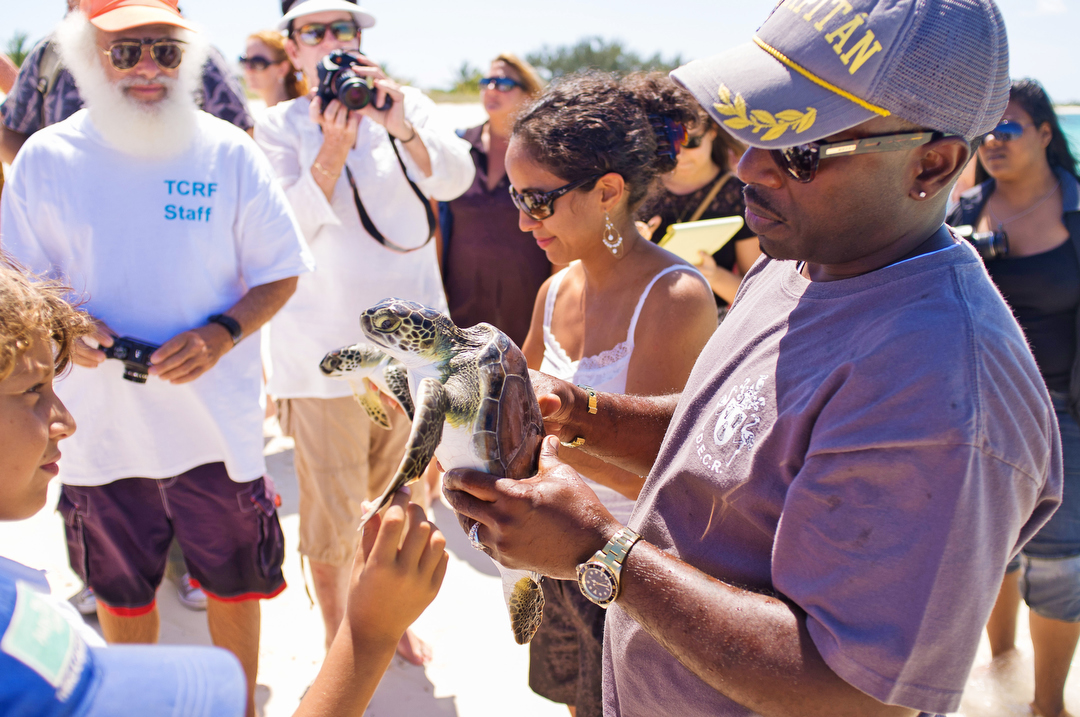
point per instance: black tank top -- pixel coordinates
(1044, 293)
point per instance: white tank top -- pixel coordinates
(606, 371)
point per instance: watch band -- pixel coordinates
(614, 553)
(231, 325)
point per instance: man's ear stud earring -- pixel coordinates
(922, 195)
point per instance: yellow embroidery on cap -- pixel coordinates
(814, 78)
(774, 125)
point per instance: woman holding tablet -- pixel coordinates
(625, 316)
(703, 186)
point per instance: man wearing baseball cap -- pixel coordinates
(172, 223)
(865, 441)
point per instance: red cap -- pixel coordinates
(116, 15)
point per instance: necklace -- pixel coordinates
(1024, 213)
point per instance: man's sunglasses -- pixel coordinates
(801, 161)
(541, 205)
(255, 62)
(313, 33)
(125, 54)
(1006, 131)
(502, 84)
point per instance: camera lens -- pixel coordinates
(354, 93)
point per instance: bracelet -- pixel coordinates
(580, 441)
(410, 139)
(319, 168)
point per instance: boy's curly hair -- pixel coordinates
(32, 307)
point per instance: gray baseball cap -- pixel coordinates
(818, 67)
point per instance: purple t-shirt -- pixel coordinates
(873, 449)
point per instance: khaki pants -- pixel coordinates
(341, 459)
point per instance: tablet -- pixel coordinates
(708, 235)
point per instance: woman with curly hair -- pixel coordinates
(625, 316)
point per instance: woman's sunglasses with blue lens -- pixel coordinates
(1006, 131)
(502, 84)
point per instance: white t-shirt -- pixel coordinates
(354, 270)
(156, 247)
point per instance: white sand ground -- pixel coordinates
(478, 671)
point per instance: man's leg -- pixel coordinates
(1001, 627)
(331, 583)
(235, 627)
(233, 547)
(142, 629)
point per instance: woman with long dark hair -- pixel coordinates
(1027, 207)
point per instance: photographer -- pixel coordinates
(359, 182)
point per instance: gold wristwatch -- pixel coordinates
(598, 577)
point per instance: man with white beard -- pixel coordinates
(171, 224)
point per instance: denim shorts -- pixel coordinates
(1050, 562)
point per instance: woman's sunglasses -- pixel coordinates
(693, 142)
(125, 54)
(541, 205)
(255, 62)
(313, 33)
(801, 161)
(1006, 131)
(502, 84)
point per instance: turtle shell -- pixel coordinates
(509, 428)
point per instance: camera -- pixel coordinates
(338, 81)
(990, 245)
(135, 354)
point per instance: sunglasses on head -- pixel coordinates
(166, 52)
(801, 161)
(313, 33)
(502, 84)
(541, 205)
(1006, 131)
(255, 62)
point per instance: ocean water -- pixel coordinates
(1069, 117)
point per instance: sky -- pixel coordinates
(427, 41)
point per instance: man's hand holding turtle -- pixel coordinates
(548, 523)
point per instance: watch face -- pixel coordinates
(596, 582)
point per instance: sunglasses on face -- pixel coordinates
(801, 161)
(502, 84)
(166, 52)
(313, 33)
(541, 205)
(255, 62)
(1006, 131)
(693, 142)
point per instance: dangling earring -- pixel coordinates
(612, 238)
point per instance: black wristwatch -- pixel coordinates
(231, 325)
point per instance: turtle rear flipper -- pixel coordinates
(372, 404)
(525, 600)
(431, 406)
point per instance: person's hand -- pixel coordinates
(557, 399)
(548, 523)
(88, 356)
(647, 229)
(389, 402)
(186, 356)
(706, 265)
(339, 125)
(392, 119)
(398, 569)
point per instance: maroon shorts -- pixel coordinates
(118, 537)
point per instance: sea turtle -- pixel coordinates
(360, 363)
(475, 408)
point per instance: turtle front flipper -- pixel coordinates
(431, 406)
(372, 404)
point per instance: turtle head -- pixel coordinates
(362, 358)
(410, 332)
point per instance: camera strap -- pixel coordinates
(369, 226)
